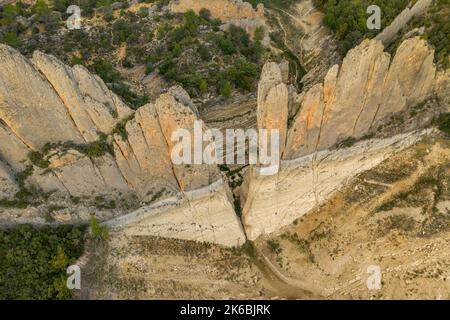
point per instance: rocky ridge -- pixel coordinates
(74, 138)
(236, 12)
(80, 141)
(348, 106)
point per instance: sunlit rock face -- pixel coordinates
(368, 87)
(354, 98)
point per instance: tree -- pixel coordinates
(203, 86)
(205, 14)
(33, 261)
(11, 39)
(96, 229)
(226, 89)
(10, 11)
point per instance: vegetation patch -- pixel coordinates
(274, 246)
(443, 123)
(302, 244)
(97, 230)
(33, 261)
(348, 19)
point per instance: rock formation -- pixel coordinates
(305, 183)
(225, 10)
(236, 12)
(272, 109)
(64, 133)
(365, 90)
(87, 144)
(390, 32)
(352, 100)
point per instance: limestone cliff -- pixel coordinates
(352, 101)
(391, 32)
(85, 141)
(225, 10)
(272, 108)
(65, 135)
(366, 89)
(236, 12)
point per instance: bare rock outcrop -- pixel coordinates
(64, 134)
(29, 106)
(272, 108)
(204, 215)
(363, 92)
(305, 183)
(225, 10)
(442, 89)
(8, 186)
(93, 110)
(236, 12)
(350, 103)
(391, 32)
(176, 111)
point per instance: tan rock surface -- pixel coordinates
(272, 103)
(204, 215)
(28, 104)
(362, 93)
(225, 10)
(305, 183)
(176, 111)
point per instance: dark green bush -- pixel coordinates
(38, 160)
(443, 122)
(33, 261)
(348, 18)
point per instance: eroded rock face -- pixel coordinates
(77, 139)
(29, 106)
(224, 10)
(390, 32)
(88, 108)
(47, 101)
(204, 215)
(272, 109)
(442, 89)
(305, 183)
(236, 12)
(363, 92)
(352, 100)
(176, 111)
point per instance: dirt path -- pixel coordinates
(286, 287)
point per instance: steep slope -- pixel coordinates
(358, 96)
(353, 101)
(70, 147)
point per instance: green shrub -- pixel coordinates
(443, 122)
(77, 60)
(204, 53)
(259, 33)
(205, 14)
(33, 261)
(226, 45)
(106, 71)
(60, 5)
(10, 11)
(37, 158)
(97, 148)
(250, 249)
(244, 74)
(11, 39)
(226, 89)
(274, 246)
(98, 230)
(348, 18)
(203, 86)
